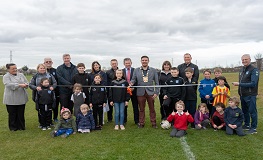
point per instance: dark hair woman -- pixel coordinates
(15, 97)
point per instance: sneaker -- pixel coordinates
(48, 127)
(252, 131)
(215, 129)
(64, 135)
(39, 126)
(44, 128)
(98, 128)
(122, 127)
(245, 127)
(116, 127)
(204, 127)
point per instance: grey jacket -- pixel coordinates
(152, 80)
(13, 94)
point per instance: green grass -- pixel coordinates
(132, 143)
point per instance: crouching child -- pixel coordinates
(180, 120)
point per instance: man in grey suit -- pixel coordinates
(146, 76)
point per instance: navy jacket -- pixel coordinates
(177, 91)
(85, 122)
(98, 94)
(233, 116)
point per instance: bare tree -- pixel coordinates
(259, 58)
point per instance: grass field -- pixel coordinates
(132, 143)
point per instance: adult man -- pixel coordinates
(127, 74)
(48, 63)
(188, 63)
(65, 73)
(146, 76)
(110, 76)
(248, 91)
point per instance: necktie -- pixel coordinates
(128, 76)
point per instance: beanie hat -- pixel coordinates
(64, 110)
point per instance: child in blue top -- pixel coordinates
(205, 89)
(85, 121)
(234, 117)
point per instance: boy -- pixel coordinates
(82, 78)
(234, 117)
(217, 120)
(173, 94)
(218, 72)
(205, 90)
(180, 120)
(220, 92)
(191, 95)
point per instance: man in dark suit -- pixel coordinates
(127, 74)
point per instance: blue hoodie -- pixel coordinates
(206, 87)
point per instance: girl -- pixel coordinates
(98, 100)
(85, 121)
(66, 126)
(201, 116)
(78, 98)
(119, 98)
(217, 120)
(45, 101)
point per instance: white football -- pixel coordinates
(165, 124)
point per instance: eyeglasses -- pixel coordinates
(48, 62)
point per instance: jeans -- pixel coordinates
(119, 113)
(67, 131)
(249, 108)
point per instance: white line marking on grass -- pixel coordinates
(187, 150)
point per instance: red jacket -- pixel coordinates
(180, 122)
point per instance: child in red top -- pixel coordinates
(180, 120)
(217, 119)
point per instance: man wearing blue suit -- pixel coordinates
(127, 74)
(146, 76)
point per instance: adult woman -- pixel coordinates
(35, 83)
(15, 97)
(164, 75)
(96, 69)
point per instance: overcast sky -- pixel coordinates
(213, 32)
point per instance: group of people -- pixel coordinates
(88, 95)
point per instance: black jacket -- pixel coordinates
(119, 94)
(83, 79)
(183, 66)
(53, 71)
(191, 90)
(162, 79)
(110, 76)
(177, 91)
(98, 94)
(248, 81)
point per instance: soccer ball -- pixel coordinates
(165, 124)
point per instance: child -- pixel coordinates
(78, 98)
(85, 121)
(205, 90)
(234, 117)
(201, 116)
(45, 99)
(173, 94)
(217, 120)
(98, 100)
(119, 98)
(218, 72)
(66, 125)
(180, 120)
(82, 78)
(220, 92)
(191, 95)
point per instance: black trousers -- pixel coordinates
(135, 107)
(210, 107)
(16, 117)
(161, 107)
(98, 113)
(218, 122)
(55, 110)
(169, 105)
(45, 112)
(66, 102)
